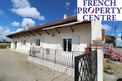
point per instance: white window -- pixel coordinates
(67, 44)
(37, 42)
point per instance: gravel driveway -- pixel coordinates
(15, 67)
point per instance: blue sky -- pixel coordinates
(109, 27)
(15, 14)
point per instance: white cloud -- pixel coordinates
(20, 3)
(23, 8)
(112, 34)
(3, 32)
(1, 12)
(15, 23)
(106, 27)
(119, 35)
(30, 22)
(119, 39)
(119, 42)
(28, 12)
(18, 30)
(4, 29)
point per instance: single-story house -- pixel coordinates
(58, 40)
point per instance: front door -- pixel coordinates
(67, 44)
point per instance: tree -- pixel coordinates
(4, 40)
(111, 40)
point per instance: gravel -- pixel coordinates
(15, 67)
(115, 70)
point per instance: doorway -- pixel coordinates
(15, 44)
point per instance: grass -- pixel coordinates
(4, 45)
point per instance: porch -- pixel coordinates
(83, 66)
(57, 56)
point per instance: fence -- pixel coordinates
(86, 67)
(56, 55)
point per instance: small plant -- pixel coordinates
(106, 53)
(114, 57)
(112, 54)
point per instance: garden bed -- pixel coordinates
(112, 54)
(112, 63)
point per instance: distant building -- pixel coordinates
(109, 42)
(107, 37)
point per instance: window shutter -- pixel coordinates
(58, 42)
(34, 42)
(75, 43)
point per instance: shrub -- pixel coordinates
(114, 57)
(112, 54)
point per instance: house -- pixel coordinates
(66, 34)
(59, 41)
(107, 37)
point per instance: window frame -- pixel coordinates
(23, 42)
(67, 44)
(37, 42)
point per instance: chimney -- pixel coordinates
(27, 26)
(67, 8)
(65, 16)
(103, 34)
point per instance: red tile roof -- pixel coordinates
(47, 25)
(107, 37)
(58, 22)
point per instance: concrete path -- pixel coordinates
(15, 67)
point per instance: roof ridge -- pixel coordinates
(53, 22)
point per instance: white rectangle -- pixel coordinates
(99, 10)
